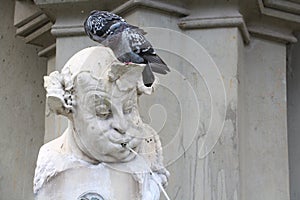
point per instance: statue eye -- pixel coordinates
(102, 107)
(128, 106)
(103, 111)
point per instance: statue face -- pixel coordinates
(105, 119)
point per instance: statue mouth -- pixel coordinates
(124, 145)
(123, 139)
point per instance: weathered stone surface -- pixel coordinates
(22, 106)
(213, 24)
(105, 138)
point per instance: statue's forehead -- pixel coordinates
(85, 83)
(103, 88)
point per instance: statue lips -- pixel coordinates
(122, 139)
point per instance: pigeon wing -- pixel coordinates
(141, 46)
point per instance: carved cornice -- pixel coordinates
(282, 9)
(33, 26)
(69, 30)
(169, 8)
(216, 22)
(283, 5)
(77, 29)
(261, 32)
(48, 51)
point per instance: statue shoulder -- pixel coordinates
(51, 161)
(46, 164)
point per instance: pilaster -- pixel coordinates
(203, 51)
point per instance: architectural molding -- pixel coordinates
(77, 30)
(284, 5)
(25, 11)
(261, 32)
(33, 26)
(169, 8)
(216, 22)
(286, 10)
(68, 30)
(37, 33)
(48, 51)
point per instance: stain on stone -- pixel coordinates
(235, 146)
(231, 116)
(230, 113)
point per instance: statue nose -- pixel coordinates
(120, 130)
(120, 125)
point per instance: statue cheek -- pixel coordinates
(133, 117)
(98, 126)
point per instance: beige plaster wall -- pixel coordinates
(22, 106)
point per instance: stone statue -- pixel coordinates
(107, 152)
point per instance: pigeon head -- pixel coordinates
(100, 24)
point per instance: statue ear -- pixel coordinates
(58, 106)
(59, 100)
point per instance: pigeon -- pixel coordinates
(127, 42)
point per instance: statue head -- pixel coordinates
(99, 94)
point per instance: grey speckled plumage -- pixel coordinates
(127, 41)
